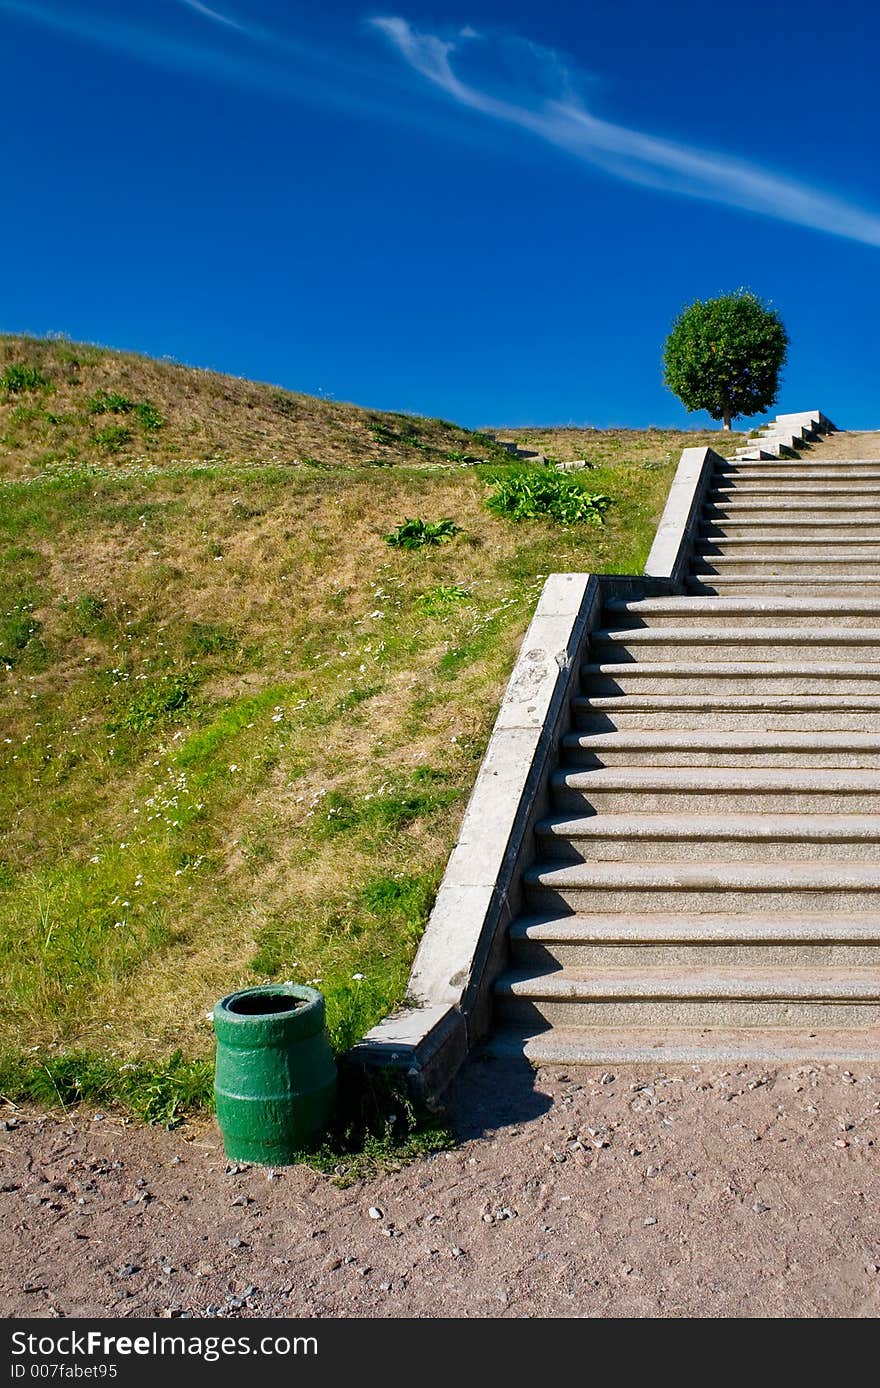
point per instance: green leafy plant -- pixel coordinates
(109, 402)
(157, 701)
(149, 416)
(90, 612)
(113, 437)
(540, 494)
(414, 534)
(18, 627)
(18, 377)
(440, 599)
(724, 356)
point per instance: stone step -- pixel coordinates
(711, 748)
(732, 677)
(722, 838)
(793, 508)
(713, 790)
(701, 941)
(652, 1046)
(768, 448)
(832, 549)
(743, 475)
(720, 585)
(784, 534)
(770, 611)
(810, 419)
(802, 488)
(836, 998)
(809, 465)
(704, 886)
(731, 713)
(735, 643)
(854, 566)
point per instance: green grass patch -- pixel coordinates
(157, 1092)
(159, 700)
(386, 809)
(18, 377)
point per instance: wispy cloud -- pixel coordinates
(637, 156)
(217, 17)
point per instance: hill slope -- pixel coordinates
(237, 728)
(64, 401)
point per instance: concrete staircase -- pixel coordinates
(707, 885)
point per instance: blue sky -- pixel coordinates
(489, 213)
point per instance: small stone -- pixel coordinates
(760, 1208)
(242, 1200)
(653, 1171)
(457, 1252)
(129, 1270)
(236, 1243)
(375, 1213)
(607, 1078)
(649, 1220)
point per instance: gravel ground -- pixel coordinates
(662, 1193)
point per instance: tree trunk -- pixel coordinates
(726, 421)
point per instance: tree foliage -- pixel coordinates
(724, 355)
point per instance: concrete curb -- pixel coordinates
(464, 946)
(680, 521)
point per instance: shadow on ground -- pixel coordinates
(491, 1092)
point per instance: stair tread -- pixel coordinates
(755, 827)
(717, 777)
(733, 981)
(759, 703)
(739, 875)
(853, 669)
(711, 741)
(741, 635)
(684, 605)
(708, 926)
(654, 1045)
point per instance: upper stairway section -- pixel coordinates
(671, 846)
(773, 522)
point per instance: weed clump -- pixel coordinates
(17, 378)
(539, 494)
(415, 534)
(112, 402)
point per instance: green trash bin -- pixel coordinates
(275, 1076)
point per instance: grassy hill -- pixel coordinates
(239, 728)
(63, 402)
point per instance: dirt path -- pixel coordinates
(685, 1192)
(863, 444)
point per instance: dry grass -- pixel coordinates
(843, 445)
(612, 447)
(205, 416)
(238, 729)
